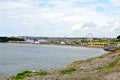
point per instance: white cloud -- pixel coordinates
(63, 17)
(115, 2)
(109, 29)
(83, 0)
(76, 27)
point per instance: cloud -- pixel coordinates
(115, 2)
(96, 30)
(57, 18)
(76, 27)
(86, 26)
(83, 0)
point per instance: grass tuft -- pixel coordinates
(22, 75)
(68, 71)
(42, 72)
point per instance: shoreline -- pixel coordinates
(50, 45)
(86, 68)
(105, 48)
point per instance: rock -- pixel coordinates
(112, 76)
(109, 48)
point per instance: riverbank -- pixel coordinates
(105, 67)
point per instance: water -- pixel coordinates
(15, 58)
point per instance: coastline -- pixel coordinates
(106, 48)
(61, 48)
(98, 68)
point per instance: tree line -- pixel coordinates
(6, 39)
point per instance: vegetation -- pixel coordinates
(15, 39)
(102, 40)
(22, 75)
(113, 64)
(27, 73)
(109, 66)
(114, 41)
(46, 43)
(42, 72)
(6, 39)
(68, 71)
(75, 43)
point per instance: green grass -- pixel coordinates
(42, 72)
(22, 75)
(27, 73)
(101, 72)
(68, 71)
(112, 64)
(109, 67)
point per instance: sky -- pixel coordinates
(60, 18)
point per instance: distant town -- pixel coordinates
(84, 41)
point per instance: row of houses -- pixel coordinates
(53, 40)
(66, 40)
(36, 41)
(58, 40)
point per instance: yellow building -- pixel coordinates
(97, 44)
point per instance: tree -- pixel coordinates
(4, 39)
(15, 39)
(118, 37)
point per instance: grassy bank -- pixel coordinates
(98, 68)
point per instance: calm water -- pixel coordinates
(15, 58)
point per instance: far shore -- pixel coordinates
(58, 45)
